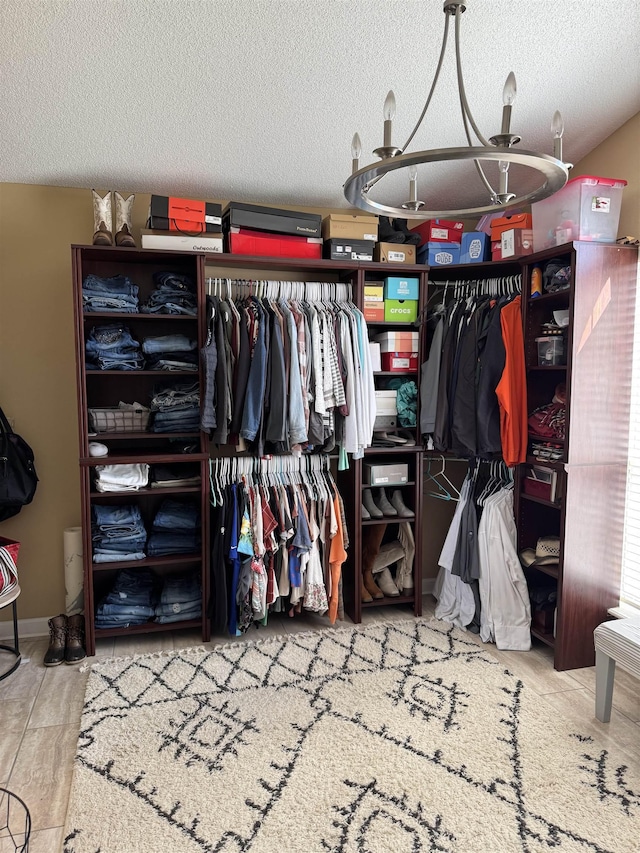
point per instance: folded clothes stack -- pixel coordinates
(177, 408)
(180, 599)
(130, 601)
(176, 529)
(122, 478)
(112, 347)
(108, 295)
(175, 476)
(170, 352)
(174, 293)
(118, 533)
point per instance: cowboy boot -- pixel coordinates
(124, 213)
(102, 223)
(371, 540)
(385, 581)
(57, 640)
(74, 651)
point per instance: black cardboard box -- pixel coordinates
(271, 219)
(349, 250)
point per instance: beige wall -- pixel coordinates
(619, 157)
(37, 371)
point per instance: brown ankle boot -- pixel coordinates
(74, 651)
(57, 640)
(370, 585)
(364, 594)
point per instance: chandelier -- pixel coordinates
(552, 171)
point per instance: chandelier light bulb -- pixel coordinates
(356, 150)
(557, 129)
(413, 173)
(557, 125)
(510, 89)
(390, 106)
(504, 165)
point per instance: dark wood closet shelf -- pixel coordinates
(547, 367)
(166, 373)
(543, 438)
(147, 628)
(554, 505)
(553, 570)
(401, 486)
(374, 451)
(172, 560)
(558, 296)
(395, 373)
(142, 456)
(113, 315)
(388, 519)
(124, 436)
(383, 602)
(545, 636)
(178, 490)
(557, 464)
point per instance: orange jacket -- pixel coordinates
(512, 388)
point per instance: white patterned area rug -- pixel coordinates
(394, 738)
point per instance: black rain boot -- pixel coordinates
(57, 640)
(410, 237)
(387, 233)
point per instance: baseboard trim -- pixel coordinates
(428, 585)
(26, 628)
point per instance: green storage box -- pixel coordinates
(400, 310)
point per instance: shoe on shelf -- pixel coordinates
(124, 213)
(408, 437)
(387, 233)
(412, 238)
(366, 515)
(74, 651)
(384, 579)
(369, 505)
(102, 225)
(370, 585)
(399, 505)
(391, 437)
(57, 640)
(383, 504)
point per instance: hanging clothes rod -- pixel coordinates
(271, 289)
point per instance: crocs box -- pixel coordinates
(400, 310)
(399, 287)
(586, 208)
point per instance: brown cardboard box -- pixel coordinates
(394, 253)
(348, 226)
(373, 311)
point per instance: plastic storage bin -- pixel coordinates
(586, 208)
(550, 350)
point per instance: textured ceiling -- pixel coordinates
(259, 99)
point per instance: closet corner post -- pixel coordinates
(417, 570)
(349, 483)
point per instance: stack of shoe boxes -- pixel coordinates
(271, 232)
(400, 299)
(183, 225)
(398, 351)
(511, 236)
(441, 240)
(349, 237)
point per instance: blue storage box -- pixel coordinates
(475, 247)
(400, 287)
(443, 254)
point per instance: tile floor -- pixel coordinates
(40, 711)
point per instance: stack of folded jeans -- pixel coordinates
(177, 408)
(111, 347)
(170, 352)
(176, 529)
(130, 602)
(117, 533)
(181, 599)
(110, 294)
(174, 294)
(122, 478)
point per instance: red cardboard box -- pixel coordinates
(373, 311)
(440, 231)
(504, 223)
(242, 241)
(186, 215)
(399, 361)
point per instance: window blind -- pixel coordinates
(630, 592)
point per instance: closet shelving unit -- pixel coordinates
(588, 512)
(105, 388)
(589, 516)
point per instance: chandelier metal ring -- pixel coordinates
(554, 171)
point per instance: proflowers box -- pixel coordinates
(394, 253)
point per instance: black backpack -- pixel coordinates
(18, 478)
